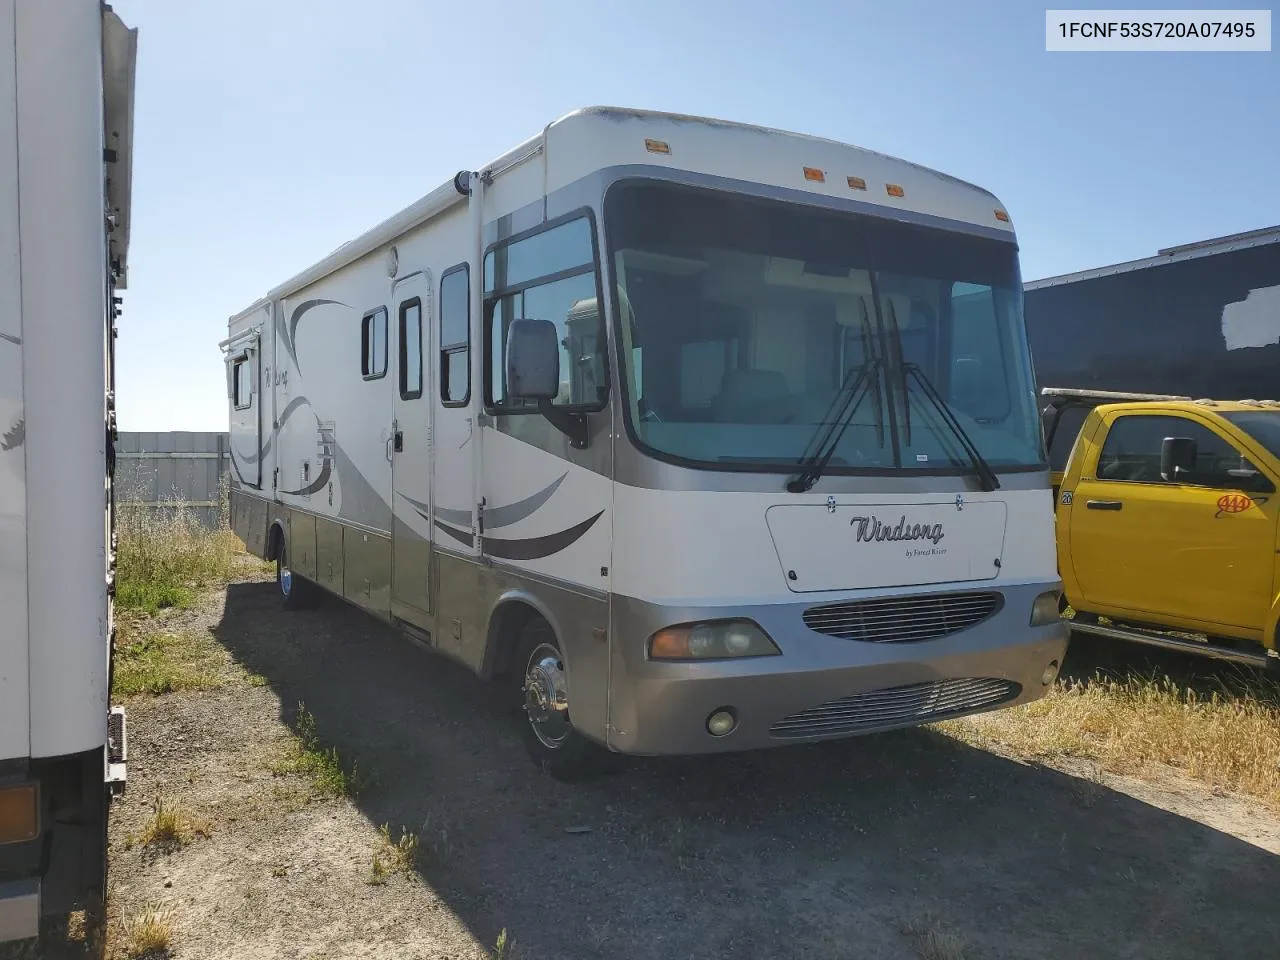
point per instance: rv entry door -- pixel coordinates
(411, 498)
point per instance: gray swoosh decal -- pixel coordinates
(528, 548)
(515, 512)
(495, 516)
(236, 467)
(293, 405)
(299, 310)
(462, 536)
(326, 471)
(360, 501)
(458, 517)
(535, 548)
(17, 341)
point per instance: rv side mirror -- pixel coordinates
(532, 360)
(1177, 456)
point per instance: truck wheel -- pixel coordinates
(543, 715)
(296, 592)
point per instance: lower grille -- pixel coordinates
(896, 706)
(906, 618)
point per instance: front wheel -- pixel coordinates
(296, 592)
(548, 734)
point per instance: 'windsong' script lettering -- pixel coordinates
(872, 528)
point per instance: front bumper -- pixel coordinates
(822, 687)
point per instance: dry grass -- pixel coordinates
(171, 827)
(145, 936)
(392, 856)
(157, 663)
(309, 757)
(165, 555)
(1227, 735)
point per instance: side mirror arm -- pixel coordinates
(572, 425)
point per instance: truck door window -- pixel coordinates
(1131, 452)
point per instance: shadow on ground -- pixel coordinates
(838, 850)
(1090, 657)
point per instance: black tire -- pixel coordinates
(553, 744)
(296, 593)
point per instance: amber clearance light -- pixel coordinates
(19, 813)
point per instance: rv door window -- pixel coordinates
(411, 349)
(550, 275)
(455, 336)
(243, 384)
(373, 344)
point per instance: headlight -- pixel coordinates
(713, 640)
(1046, 609)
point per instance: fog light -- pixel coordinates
(721, 722)
(1050, 673)
(19, 813)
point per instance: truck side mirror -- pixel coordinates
(532, 360)
(1177, 455)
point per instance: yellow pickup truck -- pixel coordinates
(1167, 520)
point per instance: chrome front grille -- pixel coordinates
(896, 706)
(906, 618)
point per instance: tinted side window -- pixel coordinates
(549, 276)
(411, 349)
(373, 344)
(1131, 451)
(243, 386)
(455, 336)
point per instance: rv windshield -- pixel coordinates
(741, 318)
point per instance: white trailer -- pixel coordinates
(702, 436)
(66, 103)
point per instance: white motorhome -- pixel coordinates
(702, 436)
(66, 105)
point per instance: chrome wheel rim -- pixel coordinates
(546, 696)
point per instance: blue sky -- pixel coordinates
(268, 132)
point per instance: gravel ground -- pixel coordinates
(903, 845)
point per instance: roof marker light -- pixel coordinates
(814, 174)
(657, 146)
(857, 183)
(1002, 216)
(894, 190)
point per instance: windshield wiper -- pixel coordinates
(987, 478)
(902, 372)
(823, 445)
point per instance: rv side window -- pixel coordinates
(550, 275)
(455, 336)
(411, 349)
(373, 344)
(243, 386)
